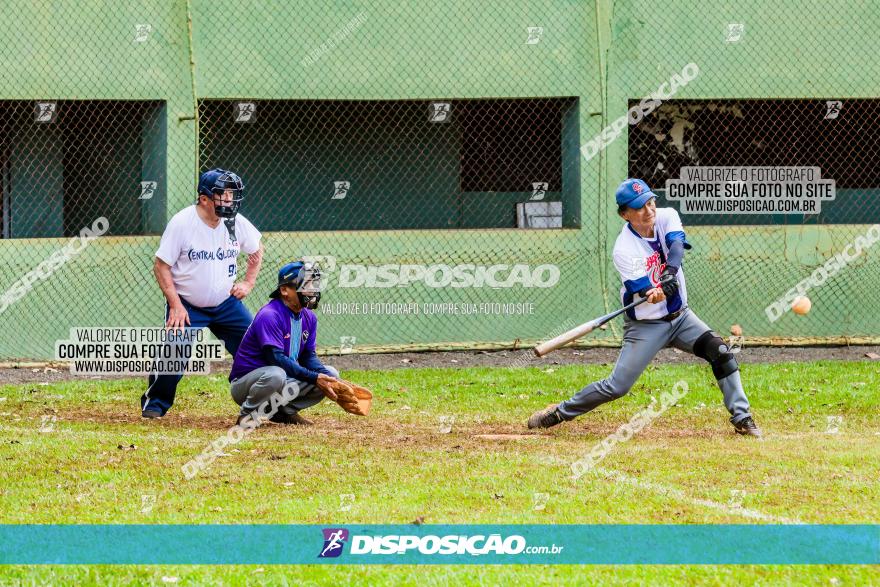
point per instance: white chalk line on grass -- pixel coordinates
(708, 503)
(663, 490)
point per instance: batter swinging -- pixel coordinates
(651, 245)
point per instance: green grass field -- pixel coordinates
(687, 467)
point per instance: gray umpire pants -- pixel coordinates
(254, 388)
(642, 340)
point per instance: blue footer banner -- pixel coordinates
(439, 544)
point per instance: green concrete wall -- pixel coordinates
(602, 53)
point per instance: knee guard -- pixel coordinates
(712, 348)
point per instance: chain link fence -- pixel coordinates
(433, 159)
(839, 137)
(772, 92)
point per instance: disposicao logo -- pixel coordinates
(442, 545)
(334, 541)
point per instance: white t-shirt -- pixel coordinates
(203, 259)
(640, 261)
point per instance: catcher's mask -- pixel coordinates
(225, 189)
(305, 277)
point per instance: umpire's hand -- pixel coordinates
(241, 289)
(178, 318)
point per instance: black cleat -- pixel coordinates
(250, 421)
(747, 427)
(545, 418)
(287, 418)
(151, 414)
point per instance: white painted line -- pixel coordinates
(682, 496)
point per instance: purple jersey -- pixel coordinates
(275, 325)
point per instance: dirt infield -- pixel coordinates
(35, 373)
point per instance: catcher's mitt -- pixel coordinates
(353, 398)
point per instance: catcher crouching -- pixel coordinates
(276, 371)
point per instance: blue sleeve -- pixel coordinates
(639, 286)
(308, 358)
(677, 235)
(676, 253)
(275, 356)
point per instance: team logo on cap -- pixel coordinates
(637, 187)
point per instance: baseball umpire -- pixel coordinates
(196, 267)
(651, 245)
(279, 349)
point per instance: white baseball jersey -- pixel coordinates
(203, 259)
(640, 261)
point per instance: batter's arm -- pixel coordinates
(675, 255)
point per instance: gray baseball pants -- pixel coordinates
(642, 340)
(254, 388)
